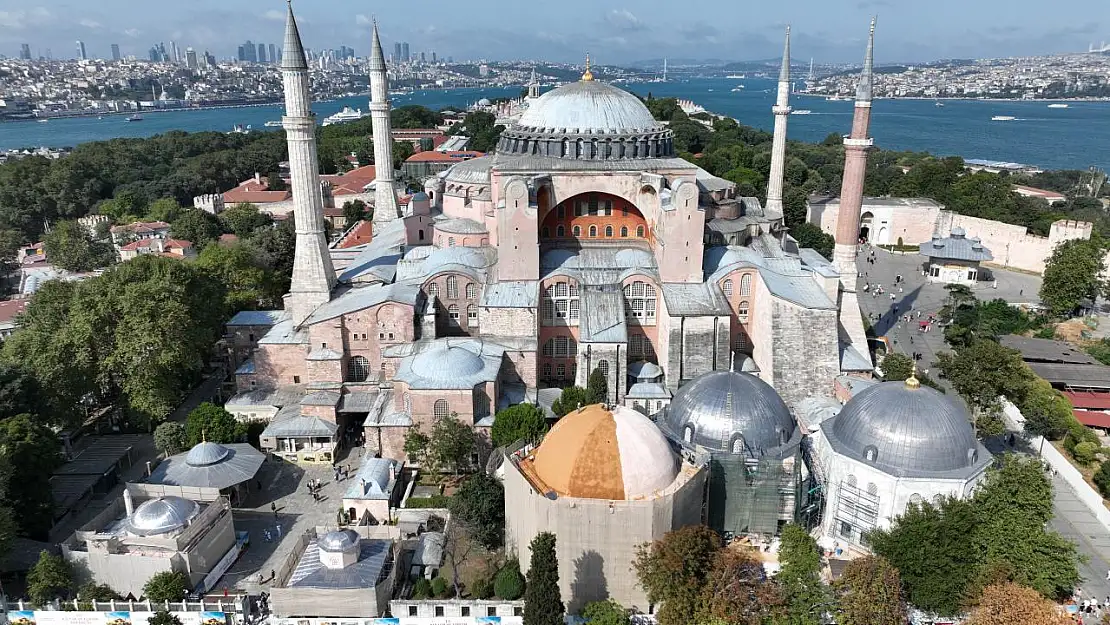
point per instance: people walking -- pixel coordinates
(273, 508)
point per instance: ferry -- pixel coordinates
(272, 124)
(836, 98)
(1003, 118)
(134, 118)
(938, 103)
(736, 76)
(348, 114)
(240, 129)
(738, 88)
(801, 112)
(1058, 106)
(42, 121)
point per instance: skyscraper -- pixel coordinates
(175, 54)
(433, 57)
(386, 207)
(261, 53)
(248, 53)
(81, 51)
(313, 273)
(405, 51)
(421, 57)
(396, 52)
(25, 52)
(191, 59)
(273, 54)
(209, 60)
(154, 54)
(115, 52)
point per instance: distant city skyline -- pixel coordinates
(615, 33)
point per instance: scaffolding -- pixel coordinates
(753, 496)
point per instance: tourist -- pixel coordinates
(278, 528)
(273, 508)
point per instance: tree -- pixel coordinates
(543, 605)
(800, 576)
(1007, 603)
(1071, 275)
(571, 399)
(416, 447)
(869, 592)
(458, 544)
(810, 235)
(736, 591)
(162, 617)
(597, 388)
(7, 518)
(673, 571)
(165, 209)
(242, 269)
(422, 589)
(197, 226)
(31, 452)
(985, 370)
(898, 367)
(91, 591)
(170, 438)
(606, 612)
(209, 422)
(274, 182)
(479, 504)
(451, 443)
(482, 129)
(508, 584)
(278, 245)
(20, 392)
(522, 422)
(167, 586)
(71, 247)
(49, 579)
(354, 211)
(1101, 478)
(244, 219)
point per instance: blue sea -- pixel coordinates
(1072, 138)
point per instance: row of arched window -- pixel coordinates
(576, 231)
(560, 347)
(745, 286)
(639, 302)
(559, 371)
(454, 315)
(560, 303)
(453, 289)
(639, 347)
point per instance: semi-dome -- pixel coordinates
(447, 360)
(588, 120)
(605, 453)
(204, 454)
(729, 411)
(161, 515)
(339, 540)
(904, 428)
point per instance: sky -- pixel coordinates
(612, 31)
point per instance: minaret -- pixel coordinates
(313, 273)
(386, 207)
(781, 109)
(533, 86)
(856, 146)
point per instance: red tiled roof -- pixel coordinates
(10, 308)
(136, 245)
(182, 243)
(433, 156)
(255, 192)
(1040, 192)
(352, 182)
(1093, 419)
(362, 233)
(228, 238)
(333, 212)
(1088, 400)
(439, 140)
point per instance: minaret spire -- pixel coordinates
(587, 75)
(313, 272)
(781, 110)
(866, 86)
(386, 207)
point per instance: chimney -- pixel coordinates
(258, 177)
(128, 504)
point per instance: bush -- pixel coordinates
(422, 589)
(509, 583)
(1102, 479)
(481, 588)
(439, 587)
(435, 501)
(1085, 452)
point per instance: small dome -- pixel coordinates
(958, 233)
(727, 410)
(447, 361)
(600, 453)
(339, 540)
(205, 454)
(904, 427)
(161, 515)
(484, 102)
(589, 107)
(642, 370)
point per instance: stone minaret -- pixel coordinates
(856, 146)
(313, 273)
(781, 109)
(386, 207)
(533, 86)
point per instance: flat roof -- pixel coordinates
(100, 454)
(1073, 375)
(1047, 351)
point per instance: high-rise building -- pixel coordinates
(273, 54)
(81, 54)
(421, 57)
(25, 52)
(154, 56)
(209, 60)
(191, 59)
(175, 54)
(115, 52)
(248, 53)
(433, 57)
(397, 52)
(405, 51)
(261, 53)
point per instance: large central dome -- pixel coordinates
(589, 107)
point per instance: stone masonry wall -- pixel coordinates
(806, 357)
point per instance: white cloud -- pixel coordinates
(132, 32)
(363, 20)
(274, 15)
(90, 24)
(624, 19)
(19, 20)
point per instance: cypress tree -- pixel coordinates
(543, 605)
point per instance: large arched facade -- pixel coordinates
(593, 217)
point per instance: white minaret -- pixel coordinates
(781, 109)
(313, 273)
(386, 207)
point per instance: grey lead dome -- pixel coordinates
(724, 406)
(339, 540)
(902, 430)
(161, 515)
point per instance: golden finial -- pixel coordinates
(588, 76)
(912, 381)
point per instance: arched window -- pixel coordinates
(547, 369)
(851, 480)
(726, 286)
(471, 315)
(742, 312)
(872, 489)
(738, 445)
(561, 347)
(870, 453)
(560, 231)
(471, 291)
(746, 285)
(608, 231)
(593, 231)
(603, 367)
(640, 231)
(358, 369)
(688, 433)
(624, 231)
(549, 348)
(915, 499)
(440, 409)
(453, 314)
(450, 241)
(452, 287)
(433, 290)
(639, 302)
(577, 231)
(560, 305)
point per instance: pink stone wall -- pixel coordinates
(280, 364)
(326, 413)
(445, 299)
(418, 230)
(678, 234)
(324, 371)
(851, 195)
(737, 327)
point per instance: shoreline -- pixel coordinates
(825, 96)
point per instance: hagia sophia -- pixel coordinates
(737, 368)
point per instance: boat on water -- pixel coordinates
(272, 124)
(737, 76)
(801, 112)
(836, 98)
(348, 114)
(738, 88)
(134, 118)
(938, 103)
(42, 121)
(1058, 106)
(1003, 118)
(240, 129)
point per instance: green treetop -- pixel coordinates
(543, 605)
